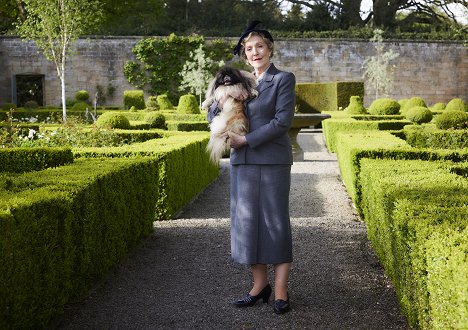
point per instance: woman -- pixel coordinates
(261, 174)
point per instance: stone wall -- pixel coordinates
(436, 71)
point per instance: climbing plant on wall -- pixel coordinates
(159, 61)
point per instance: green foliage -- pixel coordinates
(152, 102)
(164, 102)
(415, 101)
(384, 106)
(452, 120)
(187, 126)
(430, 137)
(8, 106)
(113, 120)
(31, 105)
(419, 115)
(134, 98)
(196, 73)
(159, 62)
(33, 159)
(55, 26)
(456, 104)
(378, 69)
(188, 104)
(80, 106)
(438, 106)
(319, 97)
(333, 127)
(415, 214)
(155, 119)
(355, 106)
(82, 96)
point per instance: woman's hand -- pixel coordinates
(237, 140)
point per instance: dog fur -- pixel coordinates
(238, 86)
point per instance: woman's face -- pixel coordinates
(257, 53)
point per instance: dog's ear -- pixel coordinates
(249, 82)
(211, 88)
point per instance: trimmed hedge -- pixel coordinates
(353, 147)
(188, 104)
(62, 229)
(186, 126)
(415, 214)
(319, 97)
(331, 127)
(428, 137)
(134, 98)
(19, 160)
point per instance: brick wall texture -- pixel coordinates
(435, 71)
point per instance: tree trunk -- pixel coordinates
(350, 13)
(64, 103)
(385, 12)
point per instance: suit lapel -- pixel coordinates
(267, 80)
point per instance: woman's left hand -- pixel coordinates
(237, 140)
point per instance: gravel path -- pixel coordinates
(181, 277)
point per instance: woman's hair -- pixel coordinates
(267, 41)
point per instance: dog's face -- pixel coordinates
(233, 82)
(228, 76)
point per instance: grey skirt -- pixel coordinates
(260, 225)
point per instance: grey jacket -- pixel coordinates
(270, 116)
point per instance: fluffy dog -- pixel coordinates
(233, 86)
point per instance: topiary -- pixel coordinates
(415, 101)
(80, 106)
(419, 115)
(438, 106)
(164, 102)
(355, 106)
(113, 120)
(31, 105)
(452, 119)
(8, 106)
(152, 102)
(156, 120)
(133, 109)
(384, 106)
(82, 96)
(456, 104)
(134, 98)
(402, 103)
(188, 104)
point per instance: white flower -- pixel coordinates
(31, 134)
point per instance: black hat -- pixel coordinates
(250, 28)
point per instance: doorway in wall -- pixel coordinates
(29, 88)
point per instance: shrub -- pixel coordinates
(82, 96)
(355, 106)
(134, 98)
(152, 102)
(384, 106)
(452, 119)
(402, 103)
(438, 106)
(164, 103)
(80, 106)
(8, 106)
(155, 119)
(133, 109)
(419, 115)
(415, 101)
(456, 105)
(113, 120)
(31, 105)
(188, 104)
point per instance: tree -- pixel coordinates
(54, 25)
(377, 68)
(196, 73)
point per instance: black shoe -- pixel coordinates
(282, 306)
(250, 300)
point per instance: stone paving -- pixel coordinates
(182, 277)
